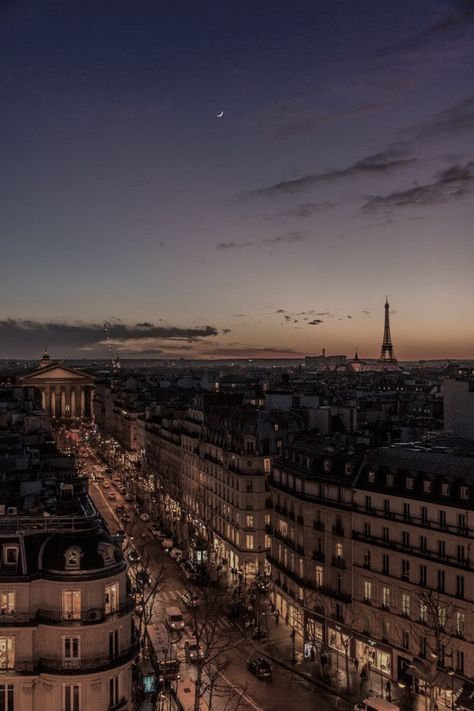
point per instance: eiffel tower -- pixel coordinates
(386, 352)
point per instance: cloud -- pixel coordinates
(348, 316)
(366, 312)
(377, 164)
(27, 338)
(306, 209)
(285, 239)
(239, 315)
(280, 311)
(458, 119)
(451, 184)
(226, 330)
(315, 322)
(233, 245)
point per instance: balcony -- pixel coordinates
(269, 528)
(16, 619)
(88, 666)
(17, 667)
(338, 561)
(335, 594)
(118, 705)
(285, 539)
(85, 617)
(300, 520)
(299, 549)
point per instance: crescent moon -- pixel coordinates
(221, 114)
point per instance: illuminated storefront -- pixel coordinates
(379, 658)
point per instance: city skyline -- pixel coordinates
(342, 170)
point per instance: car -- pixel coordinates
(176, 554)
(112, 496)
(143, 579)
(134, 556)
(155, 531)
(120, 532)
(120, 509)
(122, 489)
(189, 599)
(167, 543)
(259, 667)
(192, 651)
(144, 517)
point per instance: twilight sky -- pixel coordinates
(341, 171)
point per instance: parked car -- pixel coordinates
(174, 618)
(144, 517)
(177, 554)
(192, 651)
(189, 599)
(167, 543)
(259, 667)
(155, 531)
(112, 496)
(134, 556)
(105, 484)
(376, 703)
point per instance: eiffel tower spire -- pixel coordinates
(386, 352)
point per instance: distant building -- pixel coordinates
(66, 393)
(458, 396)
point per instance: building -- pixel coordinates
(66, 393)
(66, 633)
(458, 397)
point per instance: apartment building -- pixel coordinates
(371, 557)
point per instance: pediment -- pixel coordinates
(57, 372)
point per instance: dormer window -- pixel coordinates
(11, 555)
(444, 489)
(327, 465)
(371, 477)
(426, 486)
(106, 550)
(349, 468)
(464, 492)
(409, 483)
(389, 479)
(73, 557)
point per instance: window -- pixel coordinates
(339, 550)
(423, 612)
(423, 544)
(249, 521)
(426, 486)
(7, 653)
(461, 554)
(405, 639)
(367, 591)
(442, 549)
(386, 506)
(423, 570)
(389, 479)
(444, 489)
(249, 541)
(319, 576)
(405, 539)
(349, 469)
(367, 530)
(7, 605)
(464, 492)
(107, 551)
(405, 569)
(71, 651)
(386, 597)
(327, 465)
(442, 519)
(441, 580)
(113, 644)
(460, 624)
(386, 564)
(424, 514)
(267, 464)
(385, 534)
(249, 486)
(460, 661)
(73, 558)
(10, 555)
(111, 598)
(72, 604)
(7, 697)
(368, 503)
(423, 648)
(367, 559)
(409, 483)
(442, 616)
(460, 586)
(405, 604)
(113, 690)
(462, 522)
(406, 512)
(71, 697)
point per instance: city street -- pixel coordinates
(249, 693)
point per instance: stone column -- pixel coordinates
(73, 402)
(83, 401)
(52, 402)
(43, 399)
(63, 402)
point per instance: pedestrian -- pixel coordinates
(312, 653)
(277, 616)
(356, 663)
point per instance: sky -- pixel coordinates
(341, 172)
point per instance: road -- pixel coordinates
(286, 690)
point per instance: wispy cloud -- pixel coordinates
(450, 184)
(285, 239)
(377, 164)
(458, 119)
(290, 238)
(306, 209)
(315, 322)
(300, 122)
(233, 245)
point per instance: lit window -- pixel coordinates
(423, 612)
(71, 697)
(7, 653)
(349, 469)
(249, 521)
(106, 550)
(267, 465)
(7, 604)
(367, 591)
(427, 486)
(339, 550)
(249, 544)
(71, 604)
(371, 477)
(386, 597)
(319, 576)
(464, 492)
(460, 624)
(442, 616)
(409, 482)
(445, 489)
(406, 605)
(327, 465)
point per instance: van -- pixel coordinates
(376, 703)
(174, 618)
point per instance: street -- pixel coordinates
(248, 692)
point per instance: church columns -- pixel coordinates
(83, 402)
(73, 402)
(63, 403)
(52, 400)
(43, 399)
